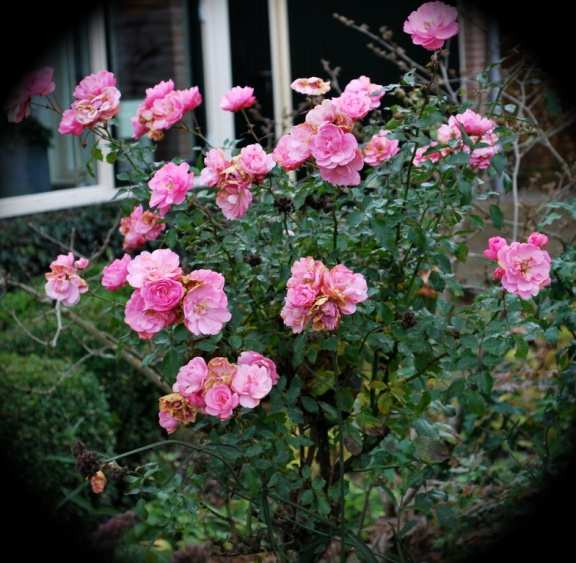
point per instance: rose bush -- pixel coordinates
(333, 286)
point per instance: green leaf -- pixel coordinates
(496, 216)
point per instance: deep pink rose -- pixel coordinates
(238, 98)
(114, 275)
(494, 245)
(220, 401)
(169, 185)
(331, 147)
(191, 377)
(432, 24)
(162, 295)
(252, 383)
(344, 175)
(146, 322)
(168, 422)
(538, 239)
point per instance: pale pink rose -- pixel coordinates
(154, 266)
(538, 239)
(162, 108)
(238, 98)
(424, 154)
(82, 263)
(345, 288)
(251, 358)
(254, 161)
(363, 85)
(207, 277)
(37, 83)
(170, 184)
(526, 267)
(63, 289)
(205, 310)
(331, 147)
(191, 377)
(494, 245)
(432, 24)
(293, 149)
(473, 123)
(344, 175)
(215, 163)
(96, 101)
(481, 157)
(139, 227)
(312, 86)
(380, 148)
(146, 322)
(162, 295)
(114, 275)
(295, 317)
(301, 295)
(328, 112)
(233, 201)
(168, 422)
(326, 317)
(220, 401)
(252, 383)
(307, 271)
(63, 282)
(355, 105)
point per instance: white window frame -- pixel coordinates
(217, 63)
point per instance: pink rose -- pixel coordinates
(355, 105)
(207, 277)
(63, 282)
(234, 201)
(114, 275)
(363, 85)
(344, 175)
(293, 149)
(251, 358)
(168, 422)
(301, 296)
(328, 112)
(307, 271)
(154, 266)
(481, 157)
(94, 84)
(425, 153)
(538, 239)
(326, 317)
(69, 125)
(252, 383)
(37, 83)
(162, 295)
(380, 148)
(312, 86)
(191, 377)
(494, 245)
(255, 162)
(345, 288)
(220, 401)
(331, 147)
(526, 269)
(139, 227)
(146, 322)
(205, 310)
(238, 98)
(432, 24)
(295, 317)
(169, 185)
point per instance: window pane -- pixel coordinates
(35, 157)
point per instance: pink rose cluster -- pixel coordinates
(432, 24)
(164, 296)
(321, 296)
(523, 267)
(480, 131)
(162, 108)
(37, 83)
(96, 100)
(169, 186)
(238, 98)
(140, 227)
(64, 283)
(216, 388)
(233, 177)
(326, 134)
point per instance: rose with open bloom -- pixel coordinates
(320, 296)
(432, 24)
(380, 148)
(355, 104)
(254, 161)
(220, 401)
(140, 227)
(332, 147)
(162, 295)
(293, 148)
(154, 266)
(190, 380)
(238, 98)
(64, 284)
(163, 108)
(234, 201)
(252, 383)
(312, 86)
(145, 321)
(169, 185)
(114, 275)
(523, 268)
(251, 358)
(363, 85)
(37, 83)
(97, 100)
